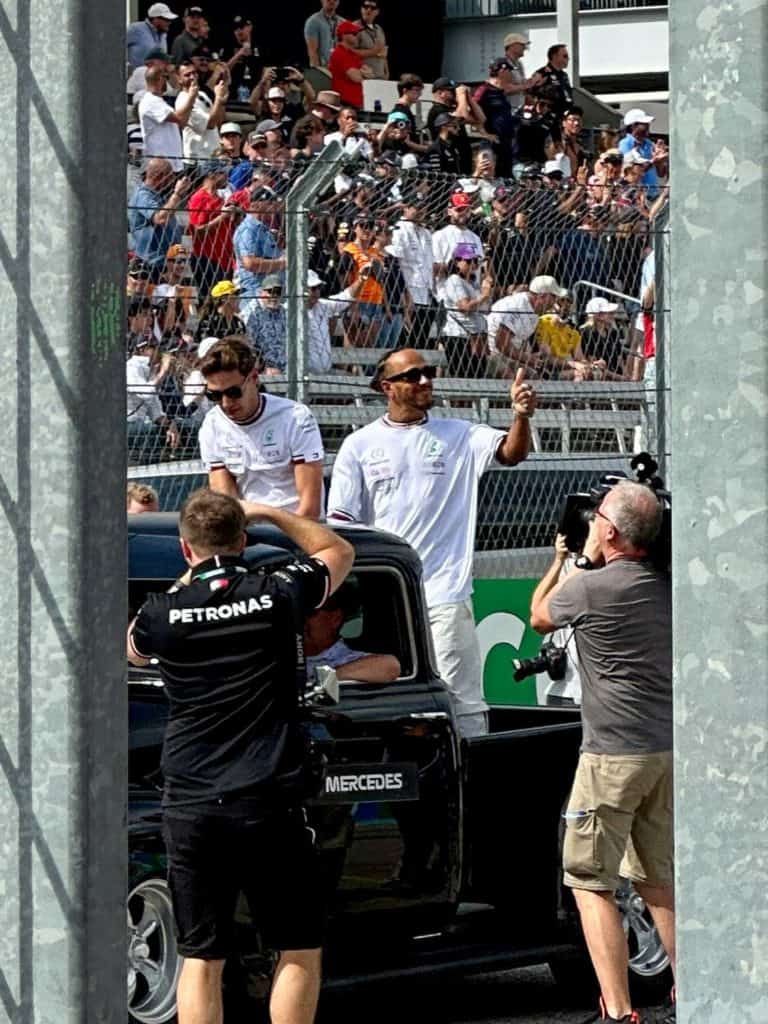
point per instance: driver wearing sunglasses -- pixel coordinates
(257, 447)
(417, 477)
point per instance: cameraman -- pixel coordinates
(227, 641)
(619, 816)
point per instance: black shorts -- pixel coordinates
(212, 858)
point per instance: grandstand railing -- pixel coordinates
(582, 427)
(456, 10)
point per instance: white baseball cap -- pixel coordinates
(313, 280)
(161, 11)
(552, 167)
(275, 93)
(545, 285)
(516, 37)
(636, 116)
(601, 305)
(230, 128)
(205, 347)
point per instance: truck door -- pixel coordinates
(516, 783)
(387, 818)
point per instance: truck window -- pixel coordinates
(381, 622)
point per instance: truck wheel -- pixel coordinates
(650, 975)
(153, 960)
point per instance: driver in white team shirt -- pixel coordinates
(417, 477)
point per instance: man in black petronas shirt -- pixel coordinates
(233, 757)
(619, 814)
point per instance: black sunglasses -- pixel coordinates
(414, 375)
(235, 391)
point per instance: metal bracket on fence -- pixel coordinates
(317, 177)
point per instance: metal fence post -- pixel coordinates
(661, 314)
(63, 604)
(314, 181)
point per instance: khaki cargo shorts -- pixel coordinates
(619, 821)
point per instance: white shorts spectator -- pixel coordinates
(458, 662)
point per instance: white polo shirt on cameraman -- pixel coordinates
(262, 453)
(420, 482)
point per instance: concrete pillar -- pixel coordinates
(62, 520)
(719, 473)
(568, 33)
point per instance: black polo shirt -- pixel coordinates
(227, 650)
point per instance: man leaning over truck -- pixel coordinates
(619, 815)
(417, 477)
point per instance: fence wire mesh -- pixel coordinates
(481, 275)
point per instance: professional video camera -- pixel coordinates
(579, 509)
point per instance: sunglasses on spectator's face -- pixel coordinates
(273, 291)
(414, 375)
(234, 391)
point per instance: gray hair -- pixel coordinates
(636, 513)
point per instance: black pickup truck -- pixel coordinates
(438, 853)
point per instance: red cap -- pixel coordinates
(348, 28)
(460, 199)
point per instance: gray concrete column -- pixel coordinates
(719, 473)
(568, 33)
(62, 520)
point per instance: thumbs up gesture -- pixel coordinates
(523, 396)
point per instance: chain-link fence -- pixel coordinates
(482, 276)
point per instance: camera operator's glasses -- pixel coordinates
(235, 391)
(414, 375)
(605, 517)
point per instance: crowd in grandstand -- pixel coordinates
(487, 225)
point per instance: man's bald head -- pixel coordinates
(158, 172)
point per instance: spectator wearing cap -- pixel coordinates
(220, 313)
(141, 323)
(395, 136)
(554, 78)
(412, 245)
(231, 142)
(322, 315)
(161, 125)
(511, 247)
(201, 132)
(138, 284)
(512, 324)
(371, 40)
(267, 324)
(150, 34)
(326, 106)
(152, 214)
(347, 67)
(269, 140)
(515, 46)
(464, 330)
(137, 83)
(450, 98)
(534, 128)
(285, 98)
(443, 155)
(175, 297)
(320, 33)
(445, 240)
(491, 97)
(359, 259)
(185, 44)
(150, 430)
(241, 57)
(603, 183)
(637, 125)
(601, 341)
(257, 253)
(212, 220)
(570, 134)
(580, 254)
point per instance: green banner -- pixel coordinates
(502, 608)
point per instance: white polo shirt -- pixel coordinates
(420, 482)
(199, 139)
(514, 312)
(412, 244)
(261, 455)
(162, 137)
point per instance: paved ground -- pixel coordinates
(525, 996)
